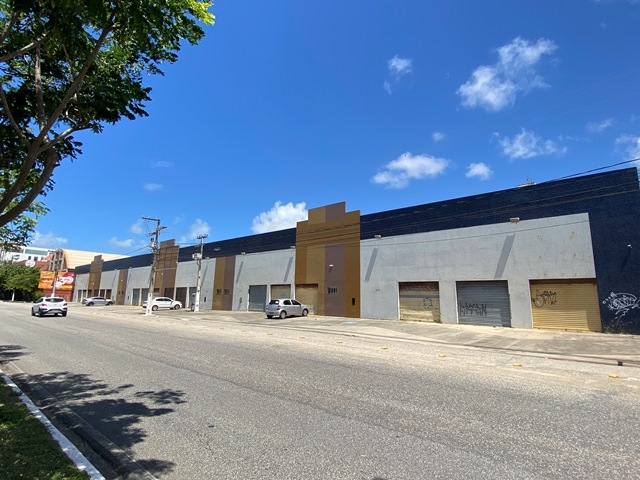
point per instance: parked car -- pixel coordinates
(49, 306)
(163, 302)
(285, 307)
(91, 301)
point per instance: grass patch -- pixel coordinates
(27, 450)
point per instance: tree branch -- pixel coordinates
(14, 212)
(77, 82)
(16, 127)
(37, 77)
(8, 27)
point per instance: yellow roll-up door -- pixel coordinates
(308, 294)
(419, 302)
(566, 306)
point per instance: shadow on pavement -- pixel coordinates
(99, 416)
(9, 353)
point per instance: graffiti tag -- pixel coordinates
(544, 298)
(468, 309)
(621, 303)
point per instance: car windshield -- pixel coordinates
(54, 299)
(274, 302)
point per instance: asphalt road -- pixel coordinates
(180, 399)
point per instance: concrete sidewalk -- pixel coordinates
(581, 346)
(613, 349)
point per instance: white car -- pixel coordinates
(285, 307)
(49, 306)
(163, 302)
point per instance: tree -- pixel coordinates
(19, 278)
(72, 65)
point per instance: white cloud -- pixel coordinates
(479, 170)
(138, 227)
(280, 217)
(599, 127)
(406, 167)
(163, 164)
(527, 144)
(438, 136)
(398, 67)
(199, 227)
(48, 240)
(629, 146)
(153, 187)
(494, 87)
(126, 243)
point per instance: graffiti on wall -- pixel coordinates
(621, 303)
(468, 309)
(544, 298)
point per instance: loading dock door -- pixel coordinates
(257, 298)
(484, 303)
(280, 291)
(308, 294)
(419, 301)
(566, 306)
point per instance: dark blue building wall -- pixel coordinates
(611, 199)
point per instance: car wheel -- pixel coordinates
(154, 307)
(269, 316)
(64, 314)
(33, 314)
(40, 313)
(305, 312)
(283, 314)
(90, 304)
(109, 303)
(177, 307)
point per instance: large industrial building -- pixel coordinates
(563, 255)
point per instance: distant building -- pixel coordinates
(58, 268)
(22, 254)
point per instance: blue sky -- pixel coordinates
(290, 105)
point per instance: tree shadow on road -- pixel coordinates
(107, 414)
(9, 353)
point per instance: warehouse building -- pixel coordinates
(556, 255)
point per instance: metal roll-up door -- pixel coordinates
(566, 306)
(308, 294)
(257, 298)
(419, 301)
(280, 291)
(484, 303)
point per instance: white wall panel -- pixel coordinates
(555, 247)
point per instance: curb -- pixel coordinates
(67, 447)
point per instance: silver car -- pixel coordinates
(91, 301)
(49, 306)
(285, 307)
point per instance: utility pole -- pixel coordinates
(55, 272)
(154, 248)
(198, 257)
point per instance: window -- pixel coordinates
(332, 290)
(287, 302)
(226, 291)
